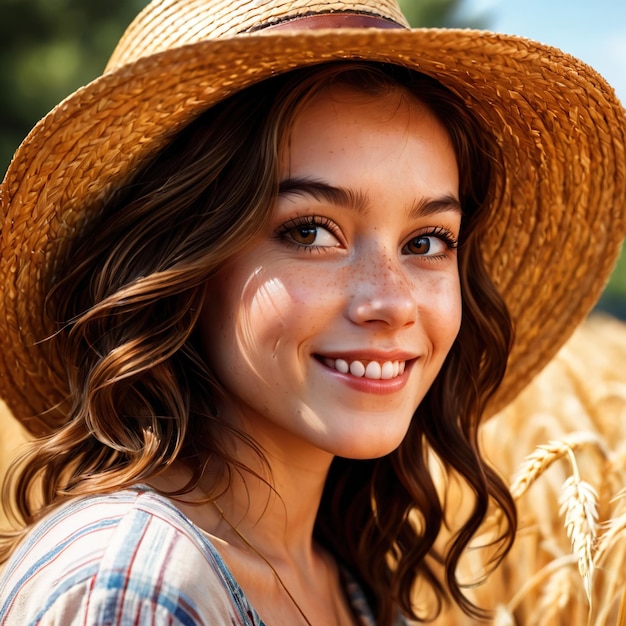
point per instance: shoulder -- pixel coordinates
(127, 557)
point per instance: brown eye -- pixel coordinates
(310, 235)
(304, 234)
(419, 245)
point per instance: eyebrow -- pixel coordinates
(357, 201)
(426, 207)
(321, 190)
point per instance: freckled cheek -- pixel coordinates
(313, 296)
(439, 303)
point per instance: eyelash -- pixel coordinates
(445, 238)
(306, 220)
(439, 232)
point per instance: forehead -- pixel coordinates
(393, 108)
(344, 132)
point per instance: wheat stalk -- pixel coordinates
(579, 505)
(538, 578)
(538, 461)
(535, 464)
(620, 495)
(612, 529)
(555, 596)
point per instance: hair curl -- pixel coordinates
(141, 395)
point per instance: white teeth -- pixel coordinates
(341, 366)
(373, 370)
(357, 369)
(386, 371)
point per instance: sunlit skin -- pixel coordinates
(359, 264)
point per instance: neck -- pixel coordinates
(262, 522)
(273, 503)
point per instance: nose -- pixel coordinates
(382, 293)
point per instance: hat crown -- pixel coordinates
(165, 24)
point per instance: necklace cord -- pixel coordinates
(264, 559)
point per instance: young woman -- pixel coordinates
(257, 316)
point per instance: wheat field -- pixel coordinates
(562, 448)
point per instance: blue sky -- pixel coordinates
(592, 30)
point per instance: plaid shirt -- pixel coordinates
(128, 558)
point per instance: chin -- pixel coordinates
(360, 450)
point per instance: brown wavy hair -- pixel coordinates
(141, 395)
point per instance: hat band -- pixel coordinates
(333, 20)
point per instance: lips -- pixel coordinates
(374, 370)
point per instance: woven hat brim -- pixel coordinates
(550, 248)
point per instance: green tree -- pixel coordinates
(49, 49)
(438, 13)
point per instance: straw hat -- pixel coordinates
(551, 244)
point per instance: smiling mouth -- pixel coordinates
(373, 370)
